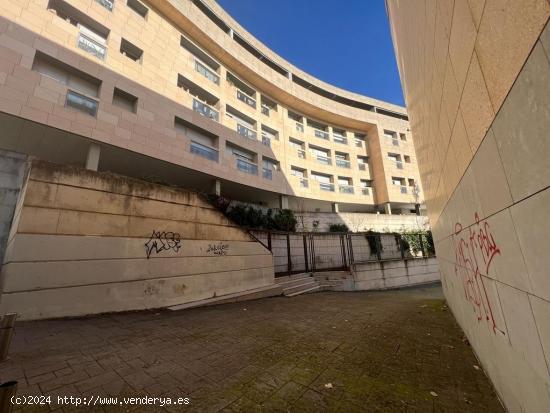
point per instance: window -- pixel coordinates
(131, 51)
(125, 100)
(402, 136)
(139, 8)
(108, 4)
(82, 103)
(411, 182)
(407, 158)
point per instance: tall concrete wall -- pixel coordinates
(476, 76)
(84, 242)
(12, 174)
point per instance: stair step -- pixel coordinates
(296, 282)
(293, 277)
(300, 287)
(315, 288)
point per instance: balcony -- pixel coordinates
(246, 132)
(267, 173)
(395, 142)
(343, 163)
(205, 110)
(324, 186)
(304, 183)
(324, 160)
(365, 190)
(204, 151)
(265, 110)
(266, 140)
(359, 143)
(340, 139)
(246, 99)
(81, 103)
(362, 166)
(403, 189)
(247, 167)
(108, 4)
(346, 189)
(301, 153)
(207, 73)
(399, 164)
(299, 127)
(91, 46)
(321, 134)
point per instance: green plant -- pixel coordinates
(315, 225)
(284, 220)
(338, 228)
(219, 202)
(375, 243)
(430, 243)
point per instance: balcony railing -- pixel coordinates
(304, 182)
(265, 110)
(207, 73)
(247, 167)
(266, 140)
(321, 134)
(246, 132)
(362, 166)
(205, 110)
(324, 186)
(267, 173)
(342, 163)
(340, 139)
(81, 103)
(395, 142)
(325, 160)
(359, 143)
(299, 127)
(108, 4)
(365, 190)
(246, 99)
(403, 189)
(92, 46)
(399, 164)
(204, 151)
(301, 153)
(346, 189)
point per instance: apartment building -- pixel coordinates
(179, 92)
(476, 77)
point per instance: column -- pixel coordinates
(283, 201)
(92, 159)
(387, 208)
(216, 187)
(335, 207)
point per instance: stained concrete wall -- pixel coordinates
(12, 174)
(84, 242)
(476, 76)
(395, 274)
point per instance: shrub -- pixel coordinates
(284, 220)
(375, 244)
(338, 228)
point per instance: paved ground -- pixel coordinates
(350, 352)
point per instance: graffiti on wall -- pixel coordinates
(475, 250)
(162, 241)
(217, 249)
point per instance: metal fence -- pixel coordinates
(296, 252)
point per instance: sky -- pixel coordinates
(346, 43)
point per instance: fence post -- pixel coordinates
(378, 240)
(288, 252)
(313, 264)
(306, 259)
(350, 250)
(269, 241)
(422, 246)
(343, 249)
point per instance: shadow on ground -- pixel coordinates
(393, 351)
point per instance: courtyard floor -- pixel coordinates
(394, 351)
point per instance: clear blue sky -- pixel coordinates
(311, 34)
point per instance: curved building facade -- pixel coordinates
(178, 91)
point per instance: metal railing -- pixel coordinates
(265, 110)
(301, 153)
(246, 132)
(206, 72)
(403, 189)
(321, 134)
(346, 189)
(108, 4)
(365, 190)
(296, 252)
(247, 167)
(299, 127)
(205, 110)
(243, 97)
(325, 160)
(266, 140)
(204, 151)
(267, 173)
(395, 142)
(324, 186)
(343, 163)
(399, 164)
(82, 103)
(362, 166)
(340, 139)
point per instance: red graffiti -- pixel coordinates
(475, 252)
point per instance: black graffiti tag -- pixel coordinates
(219, 249)
(162, 241)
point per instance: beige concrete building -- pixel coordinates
(178, 91)
(476, 76)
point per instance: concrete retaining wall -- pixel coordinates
(395, 273)
(84, 242)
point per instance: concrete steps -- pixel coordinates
(262, 292)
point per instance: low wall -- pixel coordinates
(395, 273)
(358, 222)
(84, 242)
